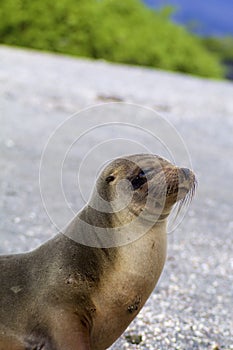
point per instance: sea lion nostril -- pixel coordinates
(186, 173)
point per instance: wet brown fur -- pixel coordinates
(68, 296)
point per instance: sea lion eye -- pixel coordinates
(139, 180)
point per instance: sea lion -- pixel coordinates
(66, 295)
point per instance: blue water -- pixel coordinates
(213, 17)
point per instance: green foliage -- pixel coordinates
(120, 31)
(221, 46)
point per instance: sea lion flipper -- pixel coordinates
(71, 333)
(10, 344)
(73, 341)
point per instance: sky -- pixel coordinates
(213, 17)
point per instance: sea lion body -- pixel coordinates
(66, 295)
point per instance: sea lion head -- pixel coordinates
(144, 185)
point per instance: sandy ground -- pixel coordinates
(191, 308)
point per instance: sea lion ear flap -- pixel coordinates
(110, 178)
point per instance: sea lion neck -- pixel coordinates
(98, 218)
(93, 228)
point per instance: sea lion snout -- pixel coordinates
(186, 173)
(180, 183)
(178, 178)
(187, 180)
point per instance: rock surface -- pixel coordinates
(191, 308)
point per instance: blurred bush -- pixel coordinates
(120, 31)
(222, 46)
